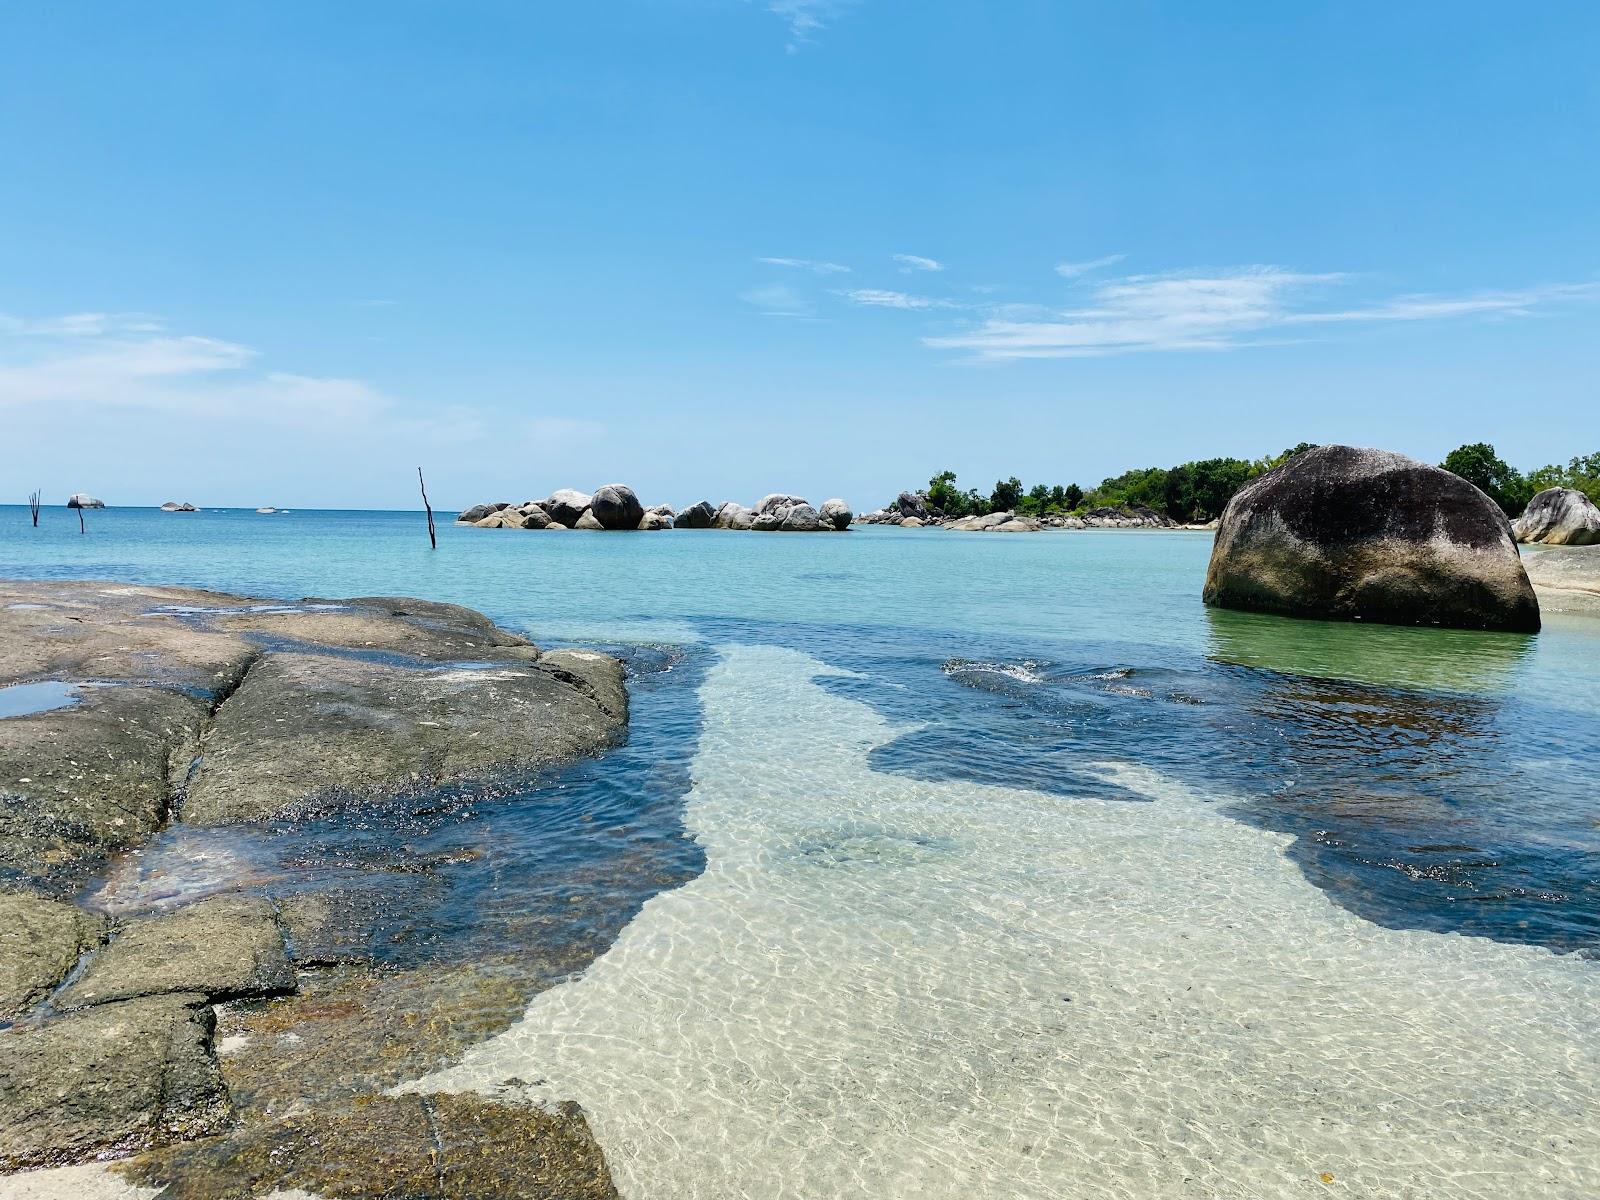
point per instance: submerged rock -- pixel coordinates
(616, 506)
(40, 941)
(223, 948)
(1367, 535)
(110, 1080)
(1559, 517)
(421, 1147)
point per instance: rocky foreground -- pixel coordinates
(126, 711)
(615, 507)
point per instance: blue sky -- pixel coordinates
(283, 252)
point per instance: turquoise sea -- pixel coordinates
(991, 865)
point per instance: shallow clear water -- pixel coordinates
(943, 782)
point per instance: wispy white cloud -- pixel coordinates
(879, 298)
(807, 264)
(805, 18)
(778, 300)
(1072, 270)
(79, 325)
(1425, 307)
(915, 262)
(1216, 310)
(102, 362)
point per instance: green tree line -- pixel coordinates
(1198, 491)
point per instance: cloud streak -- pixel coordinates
(880, 298)
(805, 19)
(807, 264)
(1216, 310)
(916, 262)
(1072, 270)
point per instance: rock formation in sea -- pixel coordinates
(84, 500)
(1559, 516)
(174, 507)
(1367, 535)
(698, 515)
(615, 506)
(197, 710)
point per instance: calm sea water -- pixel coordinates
(884, 759)
(1436, 779)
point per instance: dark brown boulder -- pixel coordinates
(616, 506)
(1366, 535)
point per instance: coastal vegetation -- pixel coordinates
(1199, 490)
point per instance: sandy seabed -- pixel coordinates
(885, 987)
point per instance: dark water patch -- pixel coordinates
(1423, 789)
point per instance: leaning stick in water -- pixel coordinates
(433, 538)
(33, 507)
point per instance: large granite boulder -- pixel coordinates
(978, 524)
(836, 514)
(534, 517)
(734, 516)
(1559, 517)
(589, 521)
(775, 502)
(110, 1080)
(84, 500)
(912, 504)
(801, 518)
(1366, 535)
(478, 512)
(616, 506)
(699, 515)
(566, 506)
(655, 520)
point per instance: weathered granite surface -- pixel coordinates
(1355, 534)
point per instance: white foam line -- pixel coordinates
(885, 987)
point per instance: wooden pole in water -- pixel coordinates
(33, 507)
(433, 538)
(81, 527)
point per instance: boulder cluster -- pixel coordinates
(616, 507)
(174, 506)
(912, 510)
